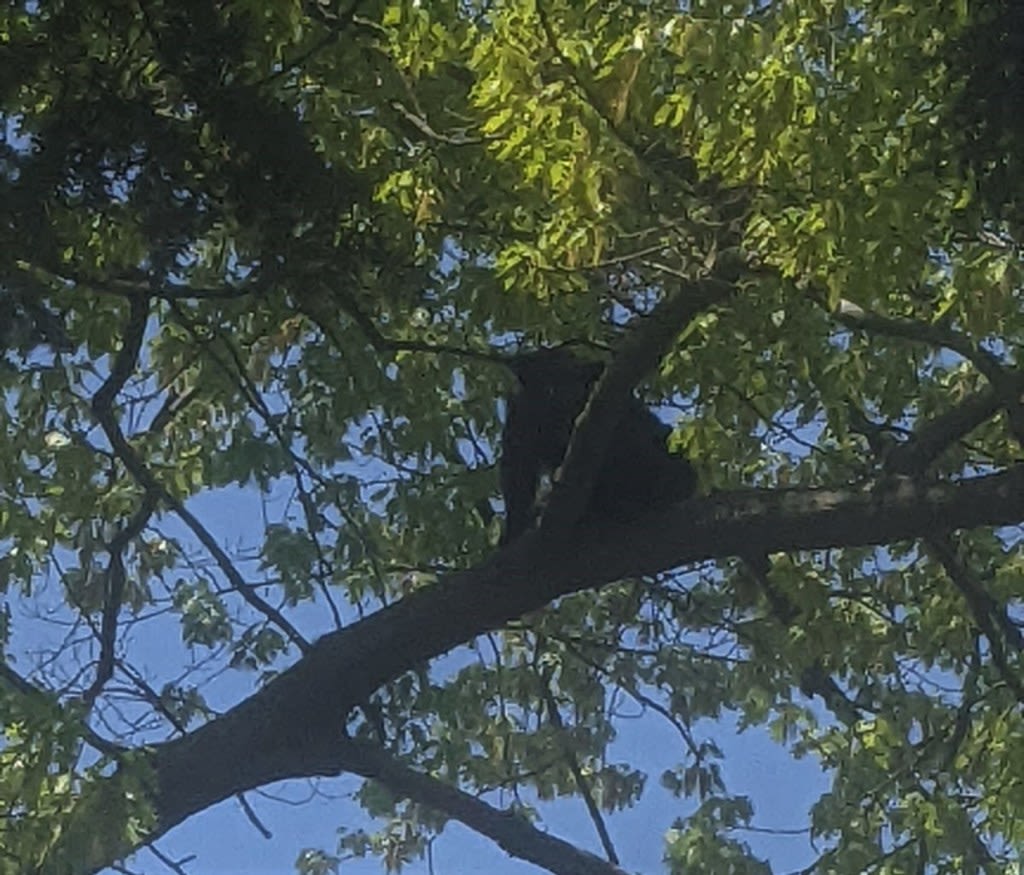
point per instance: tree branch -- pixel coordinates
(510, 831)
(102, 406)
(990, 618)
(582, 782)
(932, 438)
(263, 739)
(858, 319)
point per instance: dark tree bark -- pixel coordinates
(290, 728)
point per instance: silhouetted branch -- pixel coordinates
(263, 738)
(510, 831)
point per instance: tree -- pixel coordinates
(285, 246)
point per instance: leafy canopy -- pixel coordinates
(272, 253)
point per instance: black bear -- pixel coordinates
(637, 474)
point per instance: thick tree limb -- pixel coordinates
(267, 737)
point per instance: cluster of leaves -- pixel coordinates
(278, 248)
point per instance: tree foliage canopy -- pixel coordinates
(281, 249)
